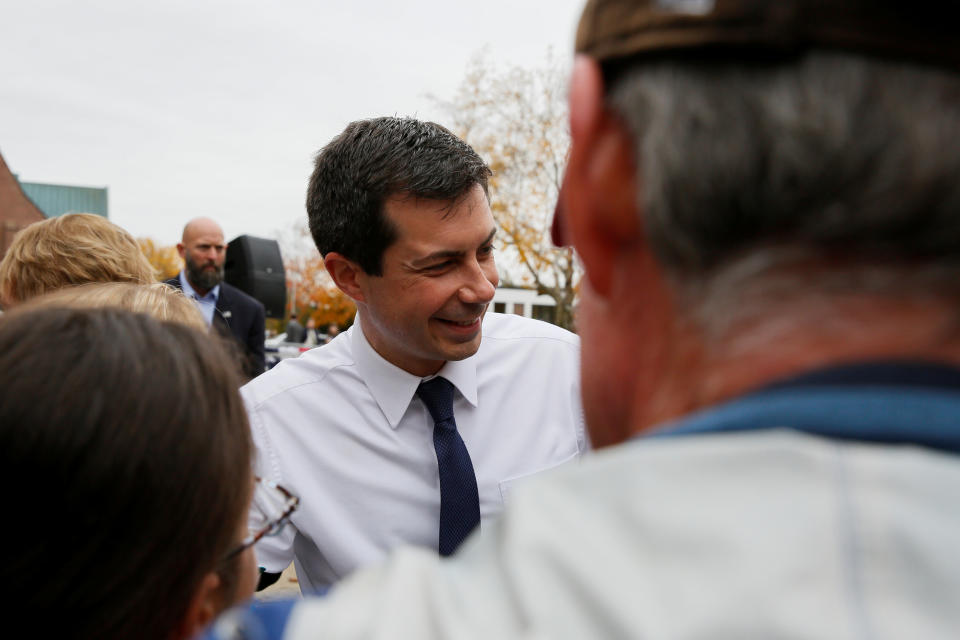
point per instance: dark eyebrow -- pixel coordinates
(438, 255)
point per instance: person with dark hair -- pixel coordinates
(229, 311)
(408, 429)
(295, 331)
(333, 330)
(765, 197)
(127, 454)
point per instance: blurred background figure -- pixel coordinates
(228, 310)
(312, 337)
(332, 331)
(72, 249)
(295, 330)
(136, 525)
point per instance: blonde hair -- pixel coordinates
(158, 300)
(69, 250)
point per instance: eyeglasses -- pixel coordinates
(270, 511)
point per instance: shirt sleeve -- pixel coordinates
(274, 553)
(583, 436)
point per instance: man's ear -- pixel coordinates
(346, 273)
(600, 203)
(206, 603)
(182, 250)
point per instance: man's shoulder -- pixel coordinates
(501, 327)
(174, 282)
(513, 345)
(237, 296)
(311, 373)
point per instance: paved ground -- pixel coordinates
(286, 587)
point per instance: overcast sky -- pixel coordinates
(216, 108)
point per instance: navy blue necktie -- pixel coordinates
(459, 499)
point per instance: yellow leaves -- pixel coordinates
(328, 306)
(165, 260)
(315, 295)
(516, 120)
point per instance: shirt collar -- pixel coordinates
(906, 403)
(212, 296)
(393, 388)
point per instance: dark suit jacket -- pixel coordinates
(240, 317)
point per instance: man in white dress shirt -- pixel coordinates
(398, 209)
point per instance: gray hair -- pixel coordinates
(847, 164)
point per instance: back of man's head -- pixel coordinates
(785, 156)
(833, 159)
(763, 156)
(68, 250)
(373, 160)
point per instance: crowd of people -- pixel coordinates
(754, 433)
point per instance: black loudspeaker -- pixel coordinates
(254, 266)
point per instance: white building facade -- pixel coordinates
(524, 302)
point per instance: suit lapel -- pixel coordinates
(221, 317)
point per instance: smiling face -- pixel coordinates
(438, 277)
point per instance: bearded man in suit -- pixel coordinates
(229, 310)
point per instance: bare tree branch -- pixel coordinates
(516, 119)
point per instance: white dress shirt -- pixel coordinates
(342, 428)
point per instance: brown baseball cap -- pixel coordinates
(921, 30)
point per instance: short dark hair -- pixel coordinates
(127, 457)
(373, 160)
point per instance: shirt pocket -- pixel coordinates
(508, 485)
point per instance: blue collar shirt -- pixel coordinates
(207, 304)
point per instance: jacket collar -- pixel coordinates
(892, 403)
